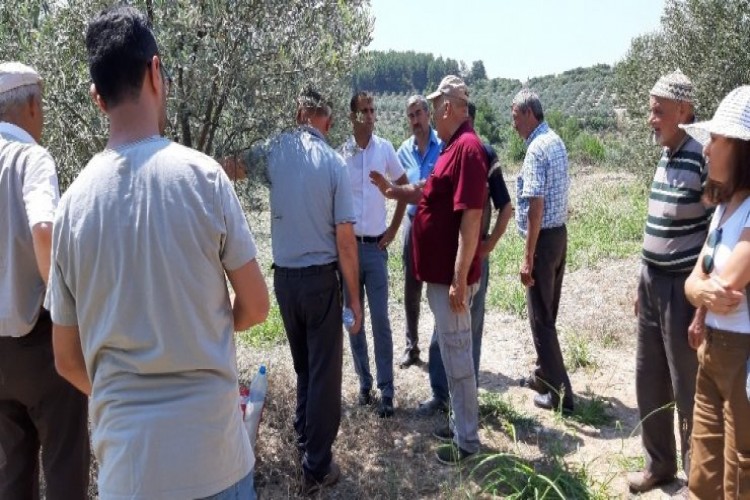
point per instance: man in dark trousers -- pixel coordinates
(37, 406)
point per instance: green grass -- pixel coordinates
(496, 409)
(591, 410)
(270, 332)
(606, 224)
(511, 477)
(578, 352)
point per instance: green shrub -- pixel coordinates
(587, 148)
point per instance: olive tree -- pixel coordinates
(236, 66)
(707, 40)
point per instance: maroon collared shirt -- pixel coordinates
(458, 183)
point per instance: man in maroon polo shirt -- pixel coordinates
(445, 241)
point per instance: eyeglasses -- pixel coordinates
(711, 243)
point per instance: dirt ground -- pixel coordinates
(395, 458)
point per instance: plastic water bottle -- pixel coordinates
(348, 318)
(255, 400)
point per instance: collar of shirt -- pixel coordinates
(539, 130)
(464, 127)
(433, 141)
(312, 130)
(16, 132)
(669, 153)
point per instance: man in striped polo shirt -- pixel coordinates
(675, 231)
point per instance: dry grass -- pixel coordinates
(587, 453)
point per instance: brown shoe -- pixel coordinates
(643, 481)
(310, 486)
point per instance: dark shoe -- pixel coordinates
(443, 433)
(365, 398)
(409, 358)
(431, 406)
(450, 454)
(643, 481)
(534, 383)
(548, 402)
(385, 409)
(310, 486)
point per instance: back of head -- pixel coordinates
(312, 104)
(120, 45)
(20, 97)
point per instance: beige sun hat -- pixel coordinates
(15, 74)
(732, 118)
(451, 86)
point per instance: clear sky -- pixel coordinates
(516, 38)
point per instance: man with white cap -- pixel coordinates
(445, 254)
(37, 406)
(675, 230)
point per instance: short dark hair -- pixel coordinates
(362, 94)
(120, 46)
(473, 111)
(313, 102)
(739, 179)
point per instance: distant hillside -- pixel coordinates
(586, 94)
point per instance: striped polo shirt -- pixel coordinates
(677, 220)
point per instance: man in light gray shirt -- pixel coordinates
(37, 406)
(142, 245)
(312, 232)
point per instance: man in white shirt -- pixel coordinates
(37, 406)
(143, 243)
(365, 152)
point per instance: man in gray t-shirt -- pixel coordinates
(312, 220)
(143, 322)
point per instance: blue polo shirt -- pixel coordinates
(418, 167)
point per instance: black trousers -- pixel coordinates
(666, 369)
(310, 305)
(40, 408)
(543, 301)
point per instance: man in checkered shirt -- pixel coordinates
(542, 200)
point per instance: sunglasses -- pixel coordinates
(711, 243)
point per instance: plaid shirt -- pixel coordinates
(544, 175)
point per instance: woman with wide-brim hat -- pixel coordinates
(720, 462)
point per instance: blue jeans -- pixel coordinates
(244, 489)
(454, 336)
(438, 380)
(373, 279)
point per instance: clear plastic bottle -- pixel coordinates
(348, 318)
(255, 400)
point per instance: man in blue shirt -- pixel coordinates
(542, 198)
(417, 155)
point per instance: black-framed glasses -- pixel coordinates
(711, 243)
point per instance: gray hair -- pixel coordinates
(527, 99)
(417, 99)
(17, 96)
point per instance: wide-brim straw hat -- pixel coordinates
(732, 118)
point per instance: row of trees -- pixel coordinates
(408, 72)
(237, 68)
